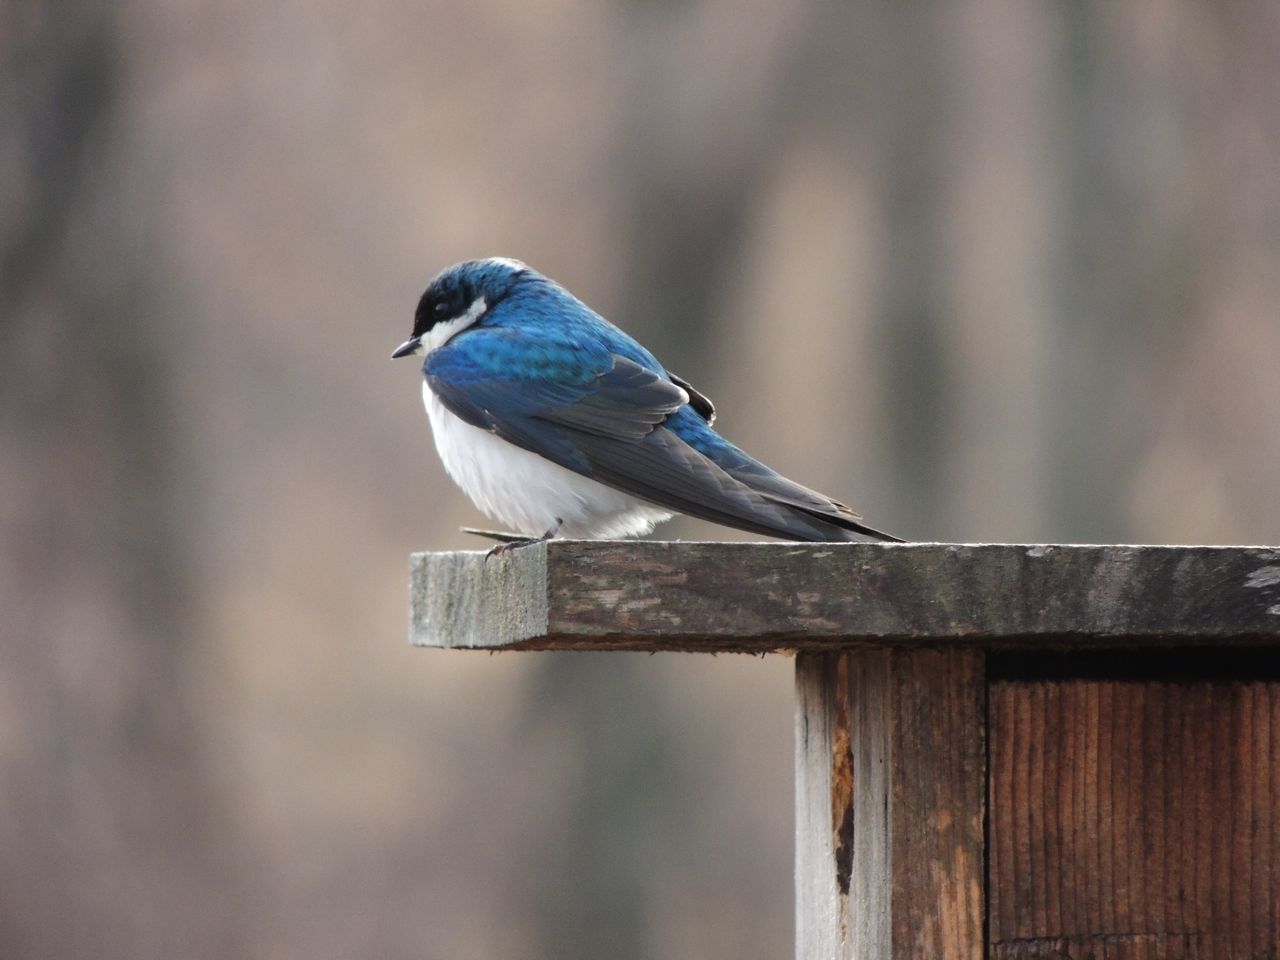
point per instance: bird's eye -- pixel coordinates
(440, 309)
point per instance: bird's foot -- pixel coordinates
(510, 541)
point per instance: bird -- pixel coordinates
(555, 422)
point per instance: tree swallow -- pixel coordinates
(554, 421)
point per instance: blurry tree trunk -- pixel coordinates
(914, 132)
(1135, 229)
(106, 846)
(1091, 322)
(625, 813)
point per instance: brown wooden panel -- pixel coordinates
(1134, 819)
(938, 765)
(890, 805)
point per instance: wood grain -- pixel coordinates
(1134, 819)
(890, 804)
(754, 597)
(821, 905)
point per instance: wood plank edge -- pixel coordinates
(789, 644)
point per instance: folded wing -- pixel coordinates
(613, 419)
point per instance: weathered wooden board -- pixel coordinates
(890, 774)
(1134, 819)
(822, 894)
(654, 595)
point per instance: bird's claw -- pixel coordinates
(502, 549)
(509, 541)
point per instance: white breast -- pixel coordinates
(527, 493)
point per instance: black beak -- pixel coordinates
(411, 346)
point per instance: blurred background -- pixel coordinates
(989, 271)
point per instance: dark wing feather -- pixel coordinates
(625, 403)
(700, 402)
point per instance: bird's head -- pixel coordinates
(457, 298)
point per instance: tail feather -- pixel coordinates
(855, 526)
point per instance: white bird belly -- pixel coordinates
(528, 493)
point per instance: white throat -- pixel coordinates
(442, 333)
